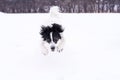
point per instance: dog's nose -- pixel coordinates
(52, 48)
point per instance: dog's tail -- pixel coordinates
(54, 11)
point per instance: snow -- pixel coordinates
(92, 49)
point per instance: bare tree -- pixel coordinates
(67, 6)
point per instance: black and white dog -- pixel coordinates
(52, 33)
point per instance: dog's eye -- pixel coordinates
(48, 40)
(55, 40)
(56, 37)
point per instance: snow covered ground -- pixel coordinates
(92, 49)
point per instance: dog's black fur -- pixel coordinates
(56, 29)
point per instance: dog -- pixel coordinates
(52, 33)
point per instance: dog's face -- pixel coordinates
(52, 35)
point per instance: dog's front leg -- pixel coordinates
(61, 45)
(44, 49)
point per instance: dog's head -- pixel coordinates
(52, 35)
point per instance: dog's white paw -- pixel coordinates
(45, 52)
(59, 49)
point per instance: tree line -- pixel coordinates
(66, 6)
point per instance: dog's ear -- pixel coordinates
(45, 29)
(57, 27)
